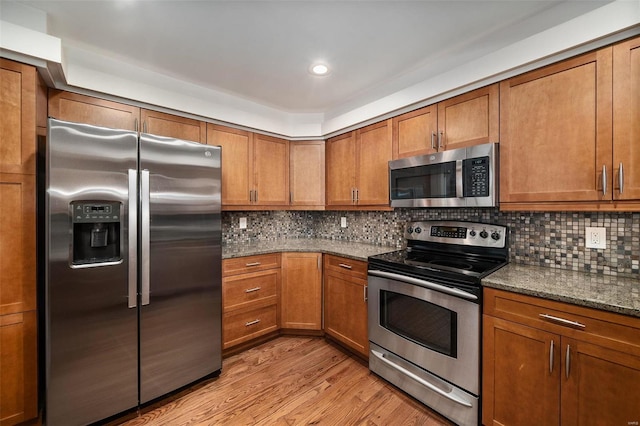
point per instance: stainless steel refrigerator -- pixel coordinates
(133, 269)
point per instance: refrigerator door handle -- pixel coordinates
(144, 240)
(133, 238)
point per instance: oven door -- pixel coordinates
(432, 326)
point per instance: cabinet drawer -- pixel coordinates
(241, 265)
(343, 265)
(256, 288)
(243, 326)
(614, 331)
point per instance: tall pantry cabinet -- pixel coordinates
(23, 112)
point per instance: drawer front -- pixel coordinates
(242, 265)
(343, 265)
(244, 326)
(615, 331)
(259, 288)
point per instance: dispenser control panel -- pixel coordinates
(91, 212)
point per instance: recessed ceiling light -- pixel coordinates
(319, 69)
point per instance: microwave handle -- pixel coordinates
(459, 179)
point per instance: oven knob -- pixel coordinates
(417, 230)
(495, 235)
(472, 233)
(410, 230)
(484, 234)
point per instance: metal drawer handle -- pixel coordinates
(252, 323)
(567, 365)
(551, 358)
(604, 180)
(344, 265)
(251, 290)
(562, 321)
(621, 178)
(253, 264)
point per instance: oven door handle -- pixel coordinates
(420, 380)
(423, 283)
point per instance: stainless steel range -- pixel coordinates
(425, 312)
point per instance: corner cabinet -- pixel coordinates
(306, 175)
(22, 117)
(301, 296)
(569, 134)
(461, 121)
(255, 169)
(250, 293)
(547, 362)
(357, 167)
(345, 303)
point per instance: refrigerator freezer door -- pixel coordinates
(180, 327)
(91, 340)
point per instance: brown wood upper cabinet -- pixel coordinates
(465, 120)
(547, 362)
(357, 167)
(255, 168)
(569, 133)
(306, 175)
(100, 112)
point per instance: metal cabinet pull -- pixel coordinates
(353, 195)
(344, 265)
(290, 197)
(621, 178)
(562, 321)
(365, 293)
(135, 125)
(433, 140)
(256, 196)
(144, 127)
(319, 263)
(440, 138)
(252, 264)
(251, 290)
(357, 195)
(251, 323)
(551, 357)
(567, 362)
(604, 180)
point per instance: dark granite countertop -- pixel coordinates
(605, 292)
(356, 251)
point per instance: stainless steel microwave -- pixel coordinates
(464, 177)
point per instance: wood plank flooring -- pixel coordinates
(290, 381)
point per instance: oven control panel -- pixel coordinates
(464, 233)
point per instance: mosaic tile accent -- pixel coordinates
(549, 239)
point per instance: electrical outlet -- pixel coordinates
(595, 237)
(243, 223)
(343, 222)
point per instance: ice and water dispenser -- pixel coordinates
(96, 232)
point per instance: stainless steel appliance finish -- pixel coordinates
(133, 274)
(464, 177)
(425, 313)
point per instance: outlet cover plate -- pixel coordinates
(243, 223)
(595, 237)
(343, 222)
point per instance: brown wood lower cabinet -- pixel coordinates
(250, 292)
(301, 297)
(345, 302)
(539, 369)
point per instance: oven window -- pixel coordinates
(422, 322)
(431, 181)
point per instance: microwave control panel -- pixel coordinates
(476, 177)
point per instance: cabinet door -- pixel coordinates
(17, 243)
(520, 375)
(271, 171)
(341, 166)
(600, 386)
(626, 119)
(306, 174)
(173, 126)
(556, 132)
(18, 122)
(469, 119)
(345, 312)
(89, 110)
(373, 154)
(301, 297)
(18, 368)
(237, 158)
(414, 133)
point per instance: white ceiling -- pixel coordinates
(260, 51)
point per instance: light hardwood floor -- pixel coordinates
(290, 381)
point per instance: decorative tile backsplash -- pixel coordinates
(551, 239)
